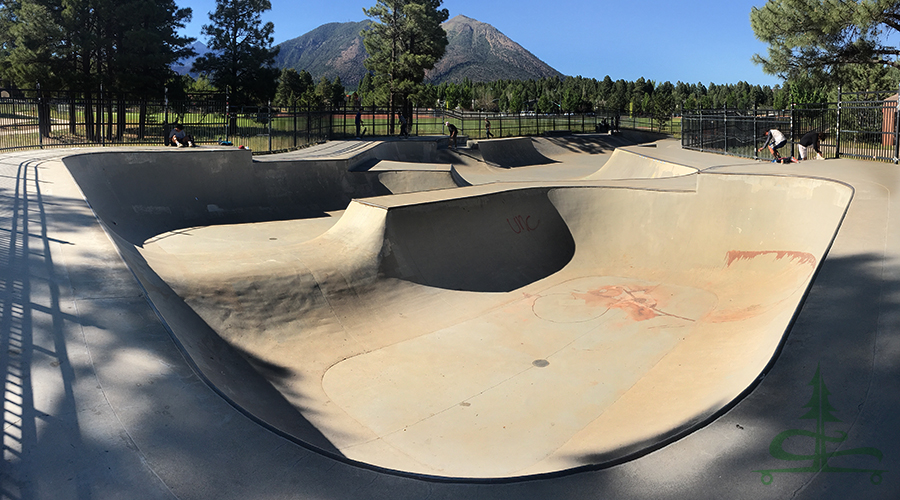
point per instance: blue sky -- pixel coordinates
(706, 41)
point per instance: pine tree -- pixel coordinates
(405, 40)
(323, 92)
(241, 57)
(125, 45)
(338, 93)
(147, 44)
(34, 39)
(824, 38)
(290, 88)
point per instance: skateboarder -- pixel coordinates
(487, 128)
(453, 133)
(774, 140)
(809, 140)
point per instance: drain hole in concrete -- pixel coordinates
(540, 363)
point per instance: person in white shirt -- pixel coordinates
(774, 140)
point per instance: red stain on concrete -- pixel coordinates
(800, 257)
(729, 315)
(636, 301)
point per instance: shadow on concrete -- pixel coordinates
(849, 331)
(64, 434)
(495, 243)
(42, 434)
(584, 144)
(513, 152)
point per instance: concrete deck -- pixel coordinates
(649, 323)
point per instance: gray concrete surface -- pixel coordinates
(101, 401)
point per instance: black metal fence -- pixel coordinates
(859, 125)
(65, 120)
(430, 121)
(61, 120)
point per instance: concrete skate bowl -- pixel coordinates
(511, 153)
(592, 144)
(486, 333)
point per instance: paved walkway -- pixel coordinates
(100, 403)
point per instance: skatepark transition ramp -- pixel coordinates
(625, 164)
(511, 153)
(483, 332)
(228, 187)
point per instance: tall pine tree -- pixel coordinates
(405, 40)
(125, 45)
(241, 57)
(824, 39)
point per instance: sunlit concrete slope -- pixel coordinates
(481, 332)
(670, 308)
(625, 164)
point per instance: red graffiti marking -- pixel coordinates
(801, 257)
(637, 301)
(520, 223)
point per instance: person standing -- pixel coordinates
(404, 125)
(774, 140)
(810, 140)
(453, 133)
(487, 128)
(358, 122)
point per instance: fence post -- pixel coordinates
(725, 125)
(837, 133)
(269, 122)
(227, 111)
(100, 116)
(755, 130)
(791, 137)
(40, 102)
(73, 115)
(165, 132)
(700, 115)
(897, 128)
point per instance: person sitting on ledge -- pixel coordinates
(178, 137)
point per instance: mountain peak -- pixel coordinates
(476, 51)
(480, 52)
(459, 18)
